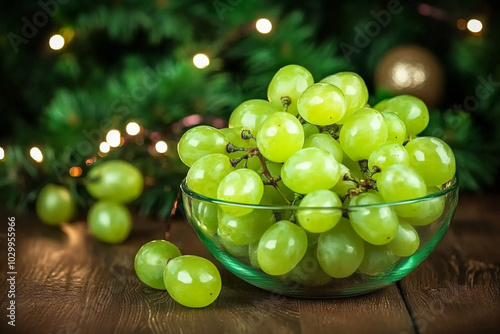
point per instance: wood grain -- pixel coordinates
(68, 282)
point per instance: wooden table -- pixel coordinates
(67, 282)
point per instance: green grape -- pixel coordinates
(308, 272)
(343, 186)
(54, 205)
(362, 133)
(428, 210)
(281, 247)
(275, 170)
(200, 141)
(289, 82)
(398, 183)
(233, 135)
(310, 169)
(116, 181)
(206, 217)
(327, 143)
(280, 136)
(406, 241)
(192, 281)
(319, 220)
(240, 186)
(309, 129)
(353, 166)
(377, 260)
(381, 105)
(244, 230)
(322, 104)
(151, 260)
(433, 159)
(386, 155)
(252, 254)
(340, 250)
(396, 129)
(412, 111)
(354, 89)
(232, 248)
(251, 114)
(109, 222)
(377, 225)
(205, 175)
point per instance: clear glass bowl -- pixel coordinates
(236, 259)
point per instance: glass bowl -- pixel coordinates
(201, 213)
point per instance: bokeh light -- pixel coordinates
(104, 147)
(264, 26)
(36, 154)
(201, 60)
(75, 171)
(133, 128)
(56, 42)
(474, 25)
(113, 138)
(2, 153)
(161, 147)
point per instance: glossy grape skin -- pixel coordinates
(433, 159)
(386, 155)
(205, 215)
(200, 141)
(340, 250)
(396, 129)
(353, 166)
(252, 254)
(116, 181)
(308, 272)
(290, 81)
(362, 133)
(310, 169)
(251, 114)
(406, 241)
(381, 105)
(398, 183)
(244, 230)
(280, 136)
(233, 136)
(412, 111)
(54, 205)
(327, 143)
(427, 211)
(322, 104)
(281, 248)
(109, 222)
(377, 260)
(309, 129)
(151, 260)
(319, 221)
(342, 187)
(192, 281)
(205, 175)
(377, 225)
(354, 89)
(232, 248)
(240, 186)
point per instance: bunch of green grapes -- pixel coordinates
(302, 179)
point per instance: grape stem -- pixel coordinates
(273, 181)
(296, 197)
(285, 102)
(230, 148)
(246, 134)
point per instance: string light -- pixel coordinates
(264, 26)
(104, 147)
(161, 147)
(474, 25)
(2, 153)
(461, 24)
(201, 60)
(56, 42)
(113, 138)
(133, 128)
(36, 154)
(75, 171)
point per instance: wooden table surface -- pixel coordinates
(67, 282)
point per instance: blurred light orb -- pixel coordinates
(201, 60)
(113, 138)
(264, 26)
(2, 153)
(161, 147)
(461, 24)
(36, 154)
(75, 171)
(133, 128)
(104, 147)
(56, 42)
(475, 25)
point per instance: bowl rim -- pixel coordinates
(448, 187)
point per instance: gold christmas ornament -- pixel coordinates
(411, 69)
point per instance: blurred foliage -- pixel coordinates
(129, 60)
